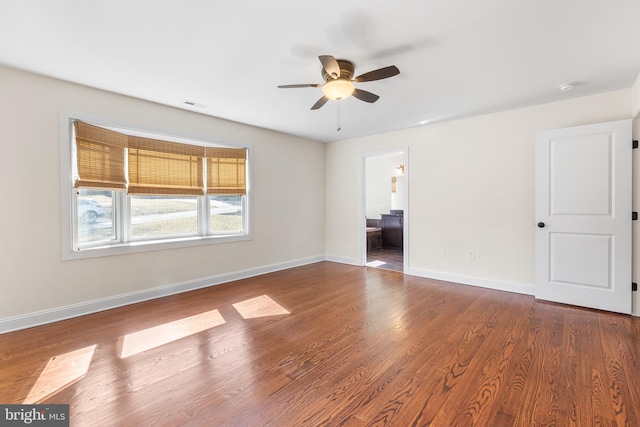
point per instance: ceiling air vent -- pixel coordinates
(195, 104)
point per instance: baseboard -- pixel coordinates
(473, 281)
(61, 313)
(343, 260)
(448, 277)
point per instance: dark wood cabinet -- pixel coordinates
(392, 230)
(374, 238)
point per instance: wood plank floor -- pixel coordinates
(332, 344)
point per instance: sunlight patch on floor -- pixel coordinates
(375, 263)
(261, 306)
(144, 340)
(61, 371)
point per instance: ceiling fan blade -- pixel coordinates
(365, 96)
(379, 74)
(301, 85)
(330, 65)
(320, 103)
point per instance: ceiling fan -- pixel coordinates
(339, 82)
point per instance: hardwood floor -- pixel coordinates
(332, 344)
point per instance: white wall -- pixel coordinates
(471, 188)
(288, 204)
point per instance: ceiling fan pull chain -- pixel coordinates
(339, 127)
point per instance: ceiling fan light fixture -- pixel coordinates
(338, 89)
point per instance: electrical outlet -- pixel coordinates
(443, 252)
(471, 255)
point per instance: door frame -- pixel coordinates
(404, 151)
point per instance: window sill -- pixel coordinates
(150, 245)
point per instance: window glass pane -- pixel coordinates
(94, 216)
(163, 216)
(226, 214)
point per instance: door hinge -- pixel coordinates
(634, 287)
(634, 216)
(635, 143)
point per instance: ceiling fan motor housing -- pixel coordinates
(346, 70)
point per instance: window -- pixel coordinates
(136, 190)
(94, 217)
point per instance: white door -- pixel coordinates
(583, 216)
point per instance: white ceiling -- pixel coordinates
(456, 58)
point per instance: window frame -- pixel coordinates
(122, 216)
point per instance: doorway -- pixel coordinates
(383, 205)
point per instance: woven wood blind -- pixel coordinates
(100, 155)
(226, 171)
(164, 168)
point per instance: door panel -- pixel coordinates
(581, 187)
(580, 259)
(583, 211)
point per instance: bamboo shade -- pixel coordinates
(226, 171)
(100, 155)
(164, 168)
